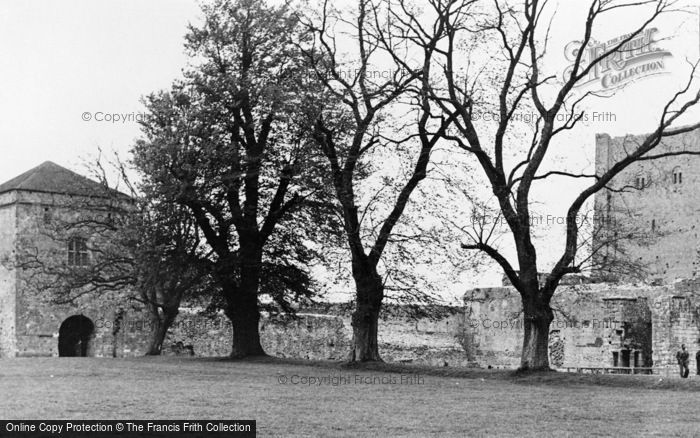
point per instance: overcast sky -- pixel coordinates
(60, 59)
(63, 62)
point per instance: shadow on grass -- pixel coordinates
(539, 377)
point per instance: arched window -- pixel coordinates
(677, 176)
(78, 252)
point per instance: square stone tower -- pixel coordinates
(652, 214)
(34, 208)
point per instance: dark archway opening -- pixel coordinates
(74, 336)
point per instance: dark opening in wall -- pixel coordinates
(75, 336)
(625, 358)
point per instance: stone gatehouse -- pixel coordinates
(34, 207)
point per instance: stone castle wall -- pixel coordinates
(326, 334)
(592, 324)
(595, 326)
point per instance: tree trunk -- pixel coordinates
(242, 306)
(538, 315)
(245, 319)
(161, 325)
(365, 318)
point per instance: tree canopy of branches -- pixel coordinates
(519, 32)
(228, 142)
(386, 73)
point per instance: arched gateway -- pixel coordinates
(74, 336)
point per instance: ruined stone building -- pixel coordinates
(596, 325)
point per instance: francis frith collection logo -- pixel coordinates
(639, 58)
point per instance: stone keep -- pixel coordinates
(31, 323)
(659, 204)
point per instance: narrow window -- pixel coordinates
(640, 182)
(677, 176)
(78, 252)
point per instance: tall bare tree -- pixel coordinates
(517, 36)
(386, 71)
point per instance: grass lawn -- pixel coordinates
(443, 402)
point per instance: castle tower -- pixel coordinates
(34, 210)
(651, 217)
